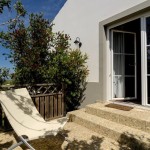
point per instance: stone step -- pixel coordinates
(135, 118)
(110, 129)
(82, 138)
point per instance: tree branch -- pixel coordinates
(13, 20)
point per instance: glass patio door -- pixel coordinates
(124, 65)
(148, 57)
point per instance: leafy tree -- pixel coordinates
(4, 74)
(27, 45)
(30, 50)
(41, 56)
(68, 66)
(4, 3)
(12, 23)
(18, 7)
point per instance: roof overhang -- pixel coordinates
(129, 13)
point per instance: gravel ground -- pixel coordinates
(52, 142)
(80, 139)
(7, 139)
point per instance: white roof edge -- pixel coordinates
(125, 13)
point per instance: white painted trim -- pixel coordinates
(108, 68)
(123, 22)
(111, 34)
(147, 14)
(142, 6)
(127, 98)
(143, 61)
(146, 78)
(142, 17)
(143, 54)
(135, 61)
(121, 31)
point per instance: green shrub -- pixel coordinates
(41, 56)
(69, 67)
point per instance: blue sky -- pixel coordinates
(50, 8)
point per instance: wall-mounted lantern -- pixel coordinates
(77, 42)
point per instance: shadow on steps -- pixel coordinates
(128, 141)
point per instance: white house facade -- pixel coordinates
(115, 34)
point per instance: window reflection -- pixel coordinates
(148, 30)
(148, 89)
(123, 65)
(148, 59)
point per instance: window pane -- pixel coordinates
(124, 64)
(148, 30)
(118, 42)
(148, 60)
(123, 87)
(129, 48)
(118, 86)
(129, 87)
(130, 65)
(119, 61)
(148, 89)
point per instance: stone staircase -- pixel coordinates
(132, 127)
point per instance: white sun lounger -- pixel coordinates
(25, 119)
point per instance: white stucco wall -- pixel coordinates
(80, 18)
